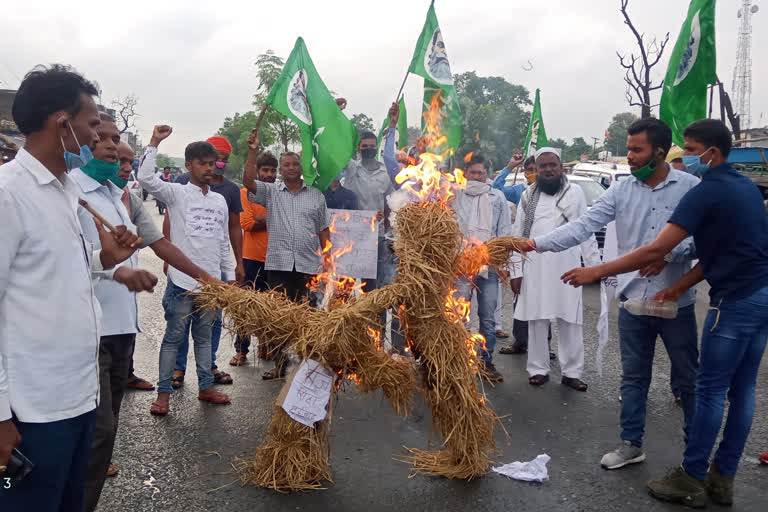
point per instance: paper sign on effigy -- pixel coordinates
(309, 392)
(359, 228)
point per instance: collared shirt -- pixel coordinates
(49, 315)
(340, 199)
(293, 222)
(199, 223)
(501, 224)
(513, 193)
(370, 187)
(640, 213)
(118, 303)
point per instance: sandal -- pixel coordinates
(135, 382)
(222, 378)
(112, 470)
(214, 398)
(513, 349)
(574, 383)
(159, 408)
(239, 359)
(538, 380)
(177, 381)
(274, 373)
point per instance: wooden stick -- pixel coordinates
(402, 86)
(261, 116)
(97, 215)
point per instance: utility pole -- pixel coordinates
(594, 146)
(742, 72)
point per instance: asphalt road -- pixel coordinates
(183, 462)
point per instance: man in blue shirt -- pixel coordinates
(339, 198)
(641, 205)
(513, 193)
(726, 216)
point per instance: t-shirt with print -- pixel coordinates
(726, 216)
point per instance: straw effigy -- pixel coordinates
(346, 340)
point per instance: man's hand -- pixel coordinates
(529, 245)
(253, 140)
(9, 439)
(653, 269)
(516, 285)
(517, 159)
(671, 294)
(159, 134)
(580, 276)
(117, 246)
(136, 279)
(239, 273)
(394, 114)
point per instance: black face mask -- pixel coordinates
(368, 153)
(549, 187)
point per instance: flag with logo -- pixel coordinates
(691, 69)
(401, 130)
(537, 136)
(430, 60)
(328, 137)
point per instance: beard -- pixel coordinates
(550, 186)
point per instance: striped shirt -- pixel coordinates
(293, 222)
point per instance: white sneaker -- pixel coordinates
(622, 456)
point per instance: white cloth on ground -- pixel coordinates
(532, 471)
(570, 348)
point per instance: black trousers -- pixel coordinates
(294, 285)
(256, 278)
(115, 358)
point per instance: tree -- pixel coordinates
(236, 130)
(414, 132)
(617, 130)
(163, 160)
(573, 151)
(638, 69)
(494, 120)
(268, 69)
(125, 109)
(363, 123)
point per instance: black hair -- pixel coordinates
(477, 158)
(106, 117)
(45, 91)
(368, 135)
(289, 153)
(199, 150)
(658, 133)
(166, 168)
(266, 159)
(711, 132)
(528, 161)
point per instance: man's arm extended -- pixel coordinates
(150, 181)
(172, 255)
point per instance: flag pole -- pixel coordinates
(261, 115)
(402, 86)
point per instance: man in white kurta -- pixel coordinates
(548, 204)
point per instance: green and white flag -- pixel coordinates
(691, 69)
(401, 130)
(537, 136)
(430, 61)
(328, 137)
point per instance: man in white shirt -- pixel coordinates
(200, 228)
(49, 315)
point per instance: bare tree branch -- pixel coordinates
(125, 108)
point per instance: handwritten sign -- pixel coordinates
(204, 220)
(309, 393)
(360, 228)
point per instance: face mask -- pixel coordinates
(531, 178)
(73, 161)
(100, 170)
(220, 164)
(368, 153)
(118, 181)
(694, 165)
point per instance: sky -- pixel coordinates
(191, 66)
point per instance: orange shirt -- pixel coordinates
(254, 242)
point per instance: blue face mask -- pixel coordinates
(694, 165)
(72, 160)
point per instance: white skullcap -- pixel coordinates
(554, 151)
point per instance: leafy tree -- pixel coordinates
(414, 132)
(163, 160)
(236, 129)
(494, 120)
(363, 123)
(268, 69)
(573, 151)
(617, 130)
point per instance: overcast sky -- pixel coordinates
(193, 66)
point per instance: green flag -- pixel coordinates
(691, 69)
(328, 137)
(401, 131)
(430, 60)
(537, 136)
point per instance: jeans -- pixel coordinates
(115, 358)
(732, 345)
(487, 295)
(59, 450)
(181, 356)
(386, 272)
(256, 278)
(180, 313)
(637, 340)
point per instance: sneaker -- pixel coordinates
(719, 486)
(489, 372)
(679, 487)
(622, 456)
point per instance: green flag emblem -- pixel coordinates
(537, 136)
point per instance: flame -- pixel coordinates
(468, 156)
(456, 307)
(375, 336)
(372, 222)
(335, 285)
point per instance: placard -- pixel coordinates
(361, 229)
(309, 392)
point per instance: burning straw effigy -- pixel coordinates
(346, 340)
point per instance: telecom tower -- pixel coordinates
(742, 73)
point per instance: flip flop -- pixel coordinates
(139, 383)
(574, 383)
(239, 360)
(222, 378)
(538, 380)
(159, 408)
(215, 398)
(178, 381)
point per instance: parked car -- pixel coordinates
(135, 187)
(603, 173)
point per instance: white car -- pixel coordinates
(603, 173)
(135, 187)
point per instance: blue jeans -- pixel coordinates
(386, 272)
(59, 450)
(731, 349)
(181, 357)
(180, 314)
(487, 296)
(637, 338)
